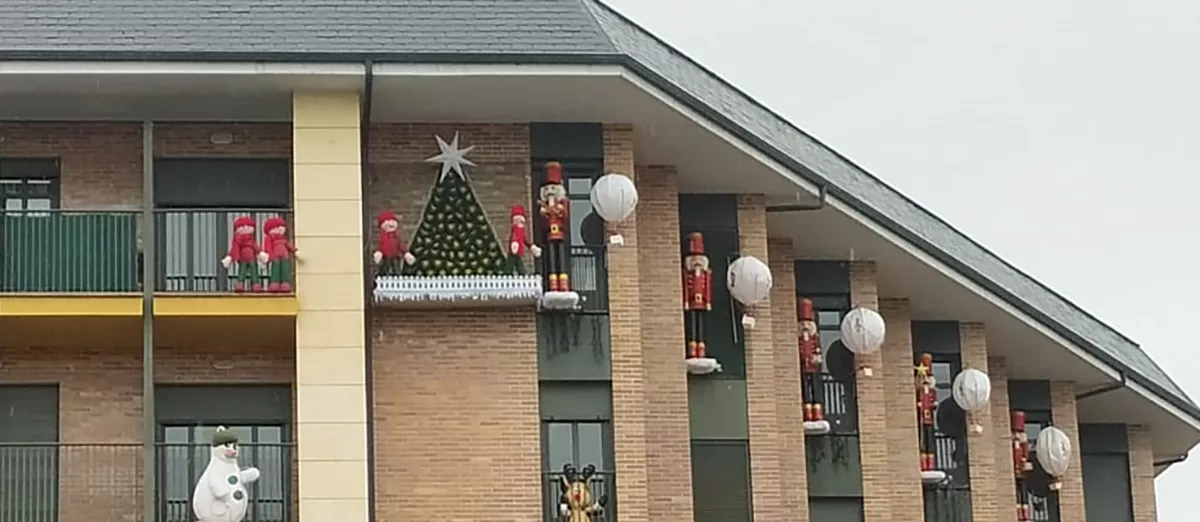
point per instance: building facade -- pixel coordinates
(454, 389)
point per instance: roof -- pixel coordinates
(536, 31)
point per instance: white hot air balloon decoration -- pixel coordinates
(863, 331)
(614, 198)
(749, 281)
(972, 390)
(1053, 451)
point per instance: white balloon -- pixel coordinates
(749, 280)
(972, 390)
(614, 197)
(863, 331)
(1053, 451)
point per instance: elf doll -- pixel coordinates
(926, 402)
(278, 252)
(697, 294)
(393, 252)
(554, 207)
(518, 241)
(244, 252)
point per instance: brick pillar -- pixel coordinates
(1000, 433)
(628, 362)
(792, 458)
(877, 472)
(984, 464)
(761, 386)
(1070, 497)
(668, 441)
(901, 403)
(1141, 475)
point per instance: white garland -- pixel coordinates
(458, 288)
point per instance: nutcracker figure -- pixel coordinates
(555, 208)
(518, 241)
(244, 252)
(810, 362)
(392, 252)
(277, 254)
(576, 503)
(1022, 466)
(926, 403)
(697, 295)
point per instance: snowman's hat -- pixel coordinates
(223, 436)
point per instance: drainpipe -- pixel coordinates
(149, 462)
(364, 136)
(822, 193)
(1111, 387)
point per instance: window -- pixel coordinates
(29, 184)
(721, 481)
(840, 396)
(184, 453)
(578, 444)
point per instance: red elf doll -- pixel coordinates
(244, 252)
(278, 253)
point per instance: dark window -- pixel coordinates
(840, 393)
(29, 453)
(29, 184)
(1106, 487)
(184, 454)
(1045, 508)
(835, 509)
(721, 481)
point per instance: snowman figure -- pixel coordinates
(221, 491)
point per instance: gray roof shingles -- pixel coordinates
(528, 31)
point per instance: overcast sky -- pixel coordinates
(1055, 133)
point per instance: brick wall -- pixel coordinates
(449, 408)
(629, 386)
(101, 163)
(1070, 497)
(985, 464)
(1000, 433)
(668, 439)
(792, 456)
(877, 473)
(1141, 475)
(901, 410)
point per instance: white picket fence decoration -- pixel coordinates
(458, 288)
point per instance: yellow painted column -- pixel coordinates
(331, 409)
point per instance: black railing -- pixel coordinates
(602, 484)
(61, 482)
(840, 404)
(951, 457)
(589, 277)
(192, 242)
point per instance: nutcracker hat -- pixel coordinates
(1018, 421)
(804, 312)
(243, 221)
(926, 360)
(386, 216)
(223, 436)
(554, 173)
(695, 244)
(518, 210)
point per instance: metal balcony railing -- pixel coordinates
(589, 277)
(840, 404)
(191, 243)
(602, 484)
(60, 482)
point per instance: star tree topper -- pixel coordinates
(451, 157)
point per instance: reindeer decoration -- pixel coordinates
(576, 503)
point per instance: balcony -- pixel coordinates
(85, 252)
(60, 482)
(602, 484)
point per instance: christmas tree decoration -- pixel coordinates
(1022, 466)
(972, 391)
(1054, 454)
(863, 331)
(555, 208)
(811, 387)
(697, 303)
(277, 255)
(926, 406)
(455, 257)
(392, 253)
(749, 281)
(614, 197)
(220, 494)
(243, 256)
(576, 502)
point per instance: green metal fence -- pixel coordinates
(68, 251)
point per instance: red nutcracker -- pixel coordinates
(1021, 464)
(393, 252)
(926, 403)
(278, 254)
(518, 241)
(555, 208)
(244, 252)
(810, 362)
(697, 294)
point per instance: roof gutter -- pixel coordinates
(1107, 388)
(822, 194)
(1172, 461)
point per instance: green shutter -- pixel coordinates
(721, 481)
(70, 252)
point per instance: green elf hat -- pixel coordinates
(223, 436)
